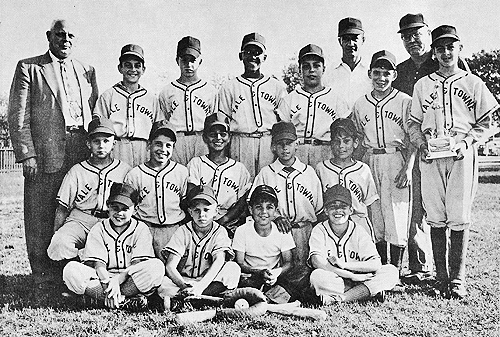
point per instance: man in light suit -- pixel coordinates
(50, 105)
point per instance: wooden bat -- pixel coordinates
(292, 309)
(195, 316)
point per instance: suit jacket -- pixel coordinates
(35, 116)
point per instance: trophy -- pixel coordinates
(441, 143)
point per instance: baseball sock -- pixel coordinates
(458, 252)
(357, 293)
(439, 248)
(396, 253)
(94, 290)
(128, 288)
(382, 251)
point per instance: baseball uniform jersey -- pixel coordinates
(358, 179)
(448, 187)
(384, 127)
(160, 192)
(119, 251)
(197, 254)
(230, 180)
(186, 107)
(87, 187)
(261, 251)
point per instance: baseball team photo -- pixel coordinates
(235, 168)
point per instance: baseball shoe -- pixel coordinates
(380, 297)
(457, 291)
(399, 288)
(330, 299)
(137, 303)
(419, 277)
(441, 288)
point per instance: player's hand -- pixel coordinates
(403, 179)
(460, 148)
(185, 292)
(361, 277)
(337, 262)
(30, 168)
(113, 291)
(424, 154)
(283, 223)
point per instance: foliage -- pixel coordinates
(486, 65)
(291, 75)
(4, 127)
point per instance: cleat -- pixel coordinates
(419, 277)
(330, 299)
(441, 289)
(458, 291)
(380, 297)
(138, 303)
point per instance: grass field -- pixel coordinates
(24, 312)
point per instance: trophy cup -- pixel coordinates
(441, 144)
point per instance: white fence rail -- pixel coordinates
(8, 161)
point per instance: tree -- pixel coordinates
(486, 65)
(291, 75)
(4, 127)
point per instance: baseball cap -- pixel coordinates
(263, 191)
(283, 130)
(311, 49)
(202, 192)
(383, 55)
(124, 194)
(337, 193)
(350, 26)
(189, 45)
(132, 49)
(443, 31)
(254, 38)
(344, 124)
(101, 125)
(411, 21)
(163, 127)
(214, 120)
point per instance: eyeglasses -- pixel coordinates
(413, 36)
(252, 52)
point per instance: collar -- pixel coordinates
(297, 165)
(360, 64)
(55, 59)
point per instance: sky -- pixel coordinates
(103, 27)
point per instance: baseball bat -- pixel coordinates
(195, 316)
(295, 310)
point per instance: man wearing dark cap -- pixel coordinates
(350, 79)
(50, 105)
(251, 101)
(186, 102)
(416, 37)
(313, 107)
(130, 107)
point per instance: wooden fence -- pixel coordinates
(8, 161)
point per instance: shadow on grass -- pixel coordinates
(19, 291)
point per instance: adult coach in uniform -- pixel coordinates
(416, 37)
(50, 104)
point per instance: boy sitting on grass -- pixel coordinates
(196, 254)
(263, 252)
(120, 268)
(346, 264)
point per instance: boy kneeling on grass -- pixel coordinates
(346, 264)
(119, 268)
(196, 254)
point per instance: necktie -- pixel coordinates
(288, 169)
(75, 110)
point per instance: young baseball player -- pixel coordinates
(197, 253)
(162, 184)
(130, 107)
(381, 117)
(251, 102)
(229, 179)
(120, 268)
(297, 186)
(346, 264)
(262, 251)
(187, 101)
(450, 104)
(313, 107)
(83, 193)
(354, 175)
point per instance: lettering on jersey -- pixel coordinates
(354, 255)
(468, 101)
(83, 193)
(114, 108)
(305, 192)
(175, 105)
(326, 108)
(268, 97)
(202, 104)
(237, 103)
(364, 121)
(144, 192)
(229, 183)
(355, 190)
(428, 102)
(145, 111)
(208, 257)
(128, 248)
(172, 187)
(395, 118)
(297, 109)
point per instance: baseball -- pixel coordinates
(241, 304)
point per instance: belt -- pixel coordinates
(130, 139)
(254, 134)
(157, 225)
(313, 141)
(100, 214)
(190, 133)
(384, 150)
(75, 129)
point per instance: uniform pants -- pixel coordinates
(145, 274)
(133, 152)
(188, 147)
(326, 282)
(312, 155)
(229, 276)
(161, 237)
(254, 153)
(301, 233)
